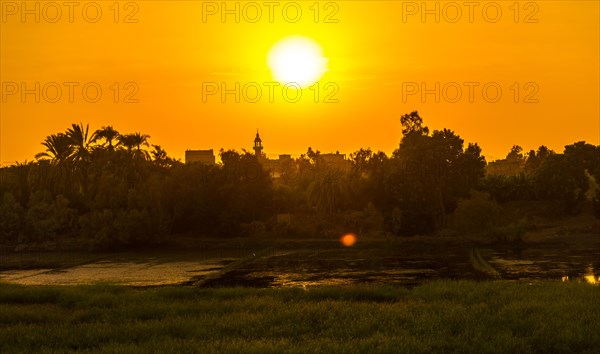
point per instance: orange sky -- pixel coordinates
(374, 49)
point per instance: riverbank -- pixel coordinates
(265, 263)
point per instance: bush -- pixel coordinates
(478, 214)
(282, 225)
(97, 227)
(366, 222)
(48, 218)
(509, 188)
(510, 233)
(105, 229)
(596, 203)
(11, 219)
(253, 229)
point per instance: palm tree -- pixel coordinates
(134, 142)
(126, 141)
(58, 148)
(109, 134)
(140, 139)
(22, 189)
(80, 141)
(59, 153)
(328, 192)
(160, 157)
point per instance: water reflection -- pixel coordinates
(588, 277)
(305, 264)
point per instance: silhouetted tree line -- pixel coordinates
(564, 180)
(104, 189)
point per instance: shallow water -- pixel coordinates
(301, 265)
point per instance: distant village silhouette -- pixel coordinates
(276, 167)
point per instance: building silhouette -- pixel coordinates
(284, 163)
(258, 145)
(277, 168)
(205, 157)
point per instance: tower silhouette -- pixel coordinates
(258, 145)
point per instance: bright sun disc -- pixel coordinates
(297, 60)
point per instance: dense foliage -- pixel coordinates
(104, 189)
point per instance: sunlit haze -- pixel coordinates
(189, 73)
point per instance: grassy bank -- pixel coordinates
(444, 316)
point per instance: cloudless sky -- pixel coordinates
(544, 57)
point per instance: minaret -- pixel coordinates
(258, 146)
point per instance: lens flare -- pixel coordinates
(348, 240)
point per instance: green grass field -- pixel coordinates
(438, 317)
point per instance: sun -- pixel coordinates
(297, 59)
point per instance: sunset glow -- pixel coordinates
(152, 59)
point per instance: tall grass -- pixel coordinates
(443, 316)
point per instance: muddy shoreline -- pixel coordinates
(314, 262)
